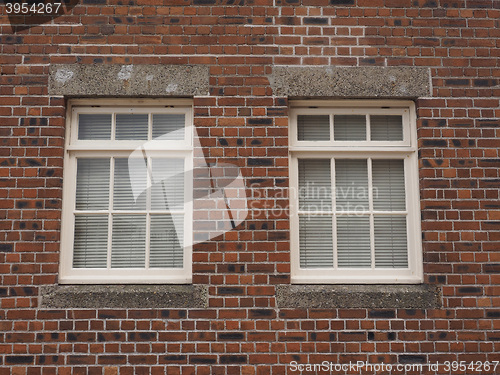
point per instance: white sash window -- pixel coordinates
(127, 213)
(355, 214)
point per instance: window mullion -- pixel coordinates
(370, 208)
(150, 126)
(74, 128)
(110, 210)
(368, 128)
(149, 185)
(113, 126)
(332, 135)
(334, 210)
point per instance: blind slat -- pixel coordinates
(128, 247)
(168, 126)
(386, 128)
(349, 127)
(130, 126)
(316, 241)
(166, 245)
(167, 191)
(90, 242)
(130, 177)
(313, 127)
(315, 190)
(388, 185)
(351, 185)
(353, 242)
(92, 184)
(390, 242)
(94, 126)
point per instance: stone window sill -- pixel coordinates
(358, 296)
(123, 296)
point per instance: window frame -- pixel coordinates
(75, 148)
(406, 150)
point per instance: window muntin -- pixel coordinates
(355, 214)
(127, 215)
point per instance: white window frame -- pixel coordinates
(75, 148)
(405, 149)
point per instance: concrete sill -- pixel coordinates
(123, 296)
(358, 296)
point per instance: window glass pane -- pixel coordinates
(169, 126)
(129, 241)
(130, 184)
(92, 184)
(313, 127)
(167, 191)
(353, 241)
(351, 185)
(386, 128)
(316, 244)
(390, 241)
(388, 185)
(315, 192)
(166, 244)
(94, 126)
(131, 126)
(349, 127)
(91, 241)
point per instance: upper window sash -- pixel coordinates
(408, 138)
(149, 141)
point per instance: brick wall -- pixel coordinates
(240, 121)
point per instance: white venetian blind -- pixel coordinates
(129, 241)
(315, 229)
(353, 241)
(388, 185)
(349, 127)
(167, 192)
(313, 127)
(91, 231)
(351, 185)
(315, 241)
(169, 126)
(391, 241)
(90, 241)
(391, 247)
(131, 127)
(166, 243)
(92, 184)
(386, 128)
(315, 190)
(94, 126)
(125, 183)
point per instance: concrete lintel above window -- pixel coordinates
(351, 82)
(123, 296)
(358, 296)
(112, 80)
